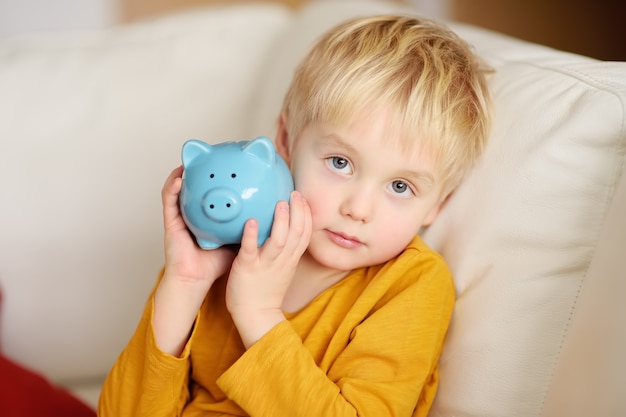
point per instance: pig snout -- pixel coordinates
(221, 204)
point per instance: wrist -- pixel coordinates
(254, 324)
(176, 305)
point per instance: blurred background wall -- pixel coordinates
(22, 16)
(595, 28)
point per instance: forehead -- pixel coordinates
(373, 139)
(385, 132)
(395, 125)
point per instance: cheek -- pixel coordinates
(317, 200)
(397, 226)
(390, 242)
(317, 196)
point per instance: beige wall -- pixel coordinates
(137, 9)
(134, 9)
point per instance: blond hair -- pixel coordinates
(420, 69)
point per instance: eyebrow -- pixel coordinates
(333, 139)
(425, 178)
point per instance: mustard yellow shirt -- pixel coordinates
(367, 346)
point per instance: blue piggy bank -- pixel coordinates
(226, 184)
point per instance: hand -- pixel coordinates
(189, 273)
(184, 259)
(260, 277)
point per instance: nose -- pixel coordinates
(358, 204)
(221, 205)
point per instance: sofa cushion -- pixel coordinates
(92, 124)
(521, 232)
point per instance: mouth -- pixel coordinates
(343, 240)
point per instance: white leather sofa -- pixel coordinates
(91, 124)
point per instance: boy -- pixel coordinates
(343, 311)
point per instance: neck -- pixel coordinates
(310, 280)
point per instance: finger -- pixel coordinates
(169, 195)
(280, 227)
(173, 178)
(288, 227)
(308, 228)
(300, 223)
(249, 241)
(297, 214)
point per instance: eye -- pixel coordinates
(212, 176)
(233, 175)
(400, 188)
(337, 163)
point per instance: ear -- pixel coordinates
(282, 139)
(432, 214)
(262, 148)
(192, 148)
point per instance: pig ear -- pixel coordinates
(192, 148)
(262, 148)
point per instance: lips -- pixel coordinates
(343, 240)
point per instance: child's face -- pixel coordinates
(368, 197)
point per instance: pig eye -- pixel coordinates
(212, 176)
(233, 175)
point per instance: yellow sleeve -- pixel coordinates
(145, 381)
(388, 365)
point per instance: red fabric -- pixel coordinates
(25, 393)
